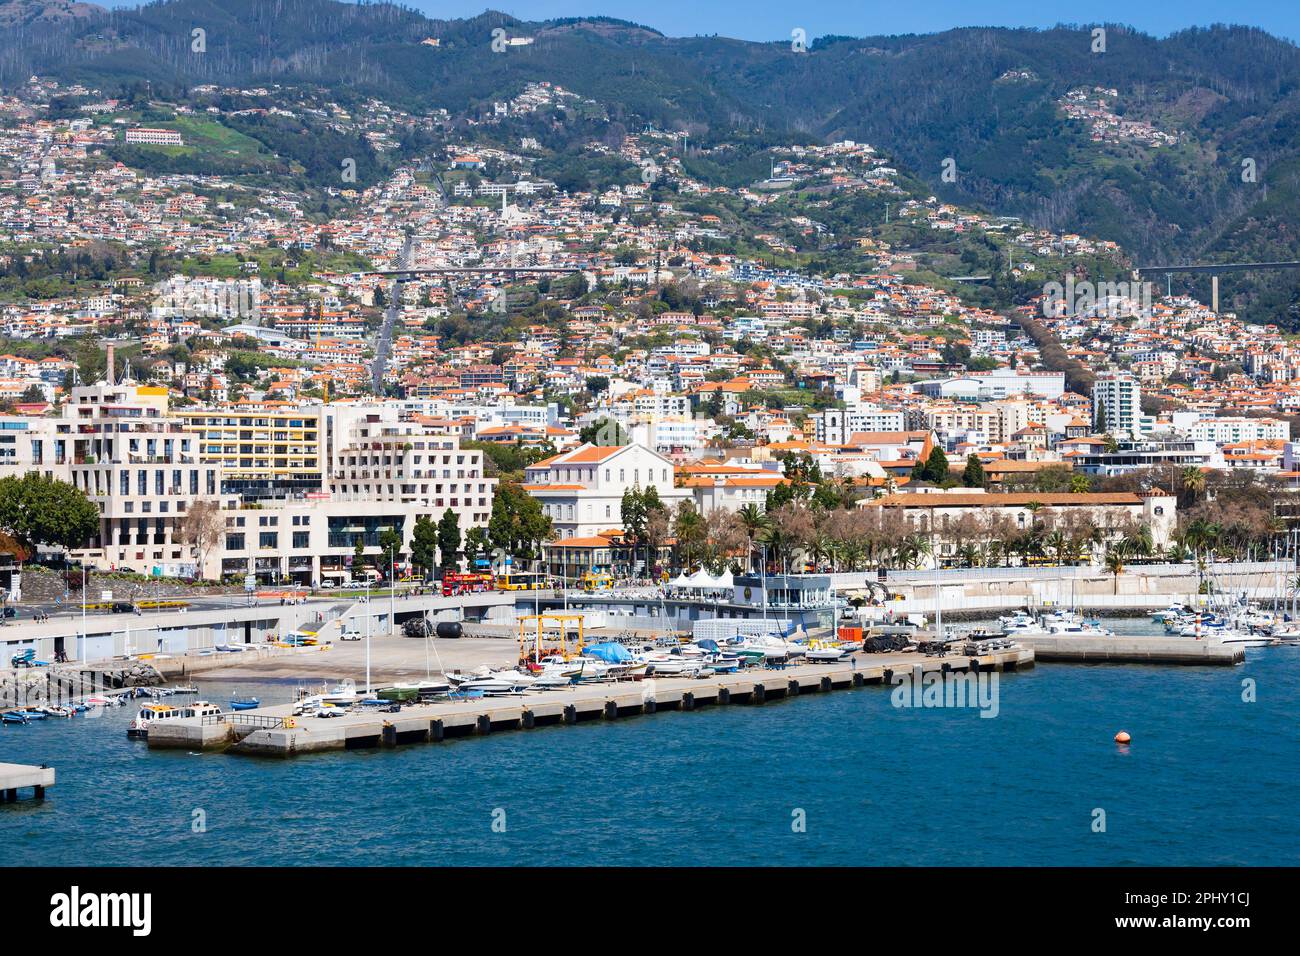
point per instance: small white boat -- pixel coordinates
(827, 653)
(1238, 638)
(492, 682)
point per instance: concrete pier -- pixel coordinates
(17, 776)
(1132, 650)
(274, 731)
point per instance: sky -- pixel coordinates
(774, 19)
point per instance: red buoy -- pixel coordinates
(1123, 738)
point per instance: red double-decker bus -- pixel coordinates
(455, 582)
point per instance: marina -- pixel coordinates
(715, 783)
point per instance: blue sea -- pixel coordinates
(1209, 779)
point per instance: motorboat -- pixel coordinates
(57, 711)
(1172, 611)
(828, 652)
(151, 714)
(14, 717)
(245, 703)
(1239, 638)
(490, 683)
(201, 708)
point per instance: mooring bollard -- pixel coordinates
(688, 701)
(528, 720)
(483, 724)
(724, 695)
(570, 714)
(611, 710)
(826, 683)
(436, 730)
(759, 694)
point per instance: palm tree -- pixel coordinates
(1059, 545)
(755, 522)
(1115, 565)
(1192, 479)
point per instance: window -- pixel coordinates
(234, 542)
(301, 540)
(268, 539)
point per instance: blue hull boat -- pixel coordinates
(14, 717)
(245, 703)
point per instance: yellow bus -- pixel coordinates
(521, 581)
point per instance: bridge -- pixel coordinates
(1214, 268)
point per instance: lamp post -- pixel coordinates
(367, 635)
(84, 633)
(392, 592)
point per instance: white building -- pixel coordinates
(836, 426)
(582, 490)
(996, 385)
(1119, 395)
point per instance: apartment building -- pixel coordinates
(1119, 396)
(837, 426)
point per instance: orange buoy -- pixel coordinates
(1122, 737)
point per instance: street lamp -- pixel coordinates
(367, 636)
(85, 636)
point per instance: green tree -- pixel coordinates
(972, 475)
(449, 540)
(424, 544)
(518, 523)
(605, 432)
(358, 553)
(390, 547)
(40, 510)
(476, 544)
(934, 469)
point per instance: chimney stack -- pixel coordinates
(108, 375)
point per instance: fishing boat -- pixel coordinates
(245, 703)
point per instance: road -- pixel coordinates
(384, 345)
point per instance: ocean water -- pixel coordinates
(1209, 779)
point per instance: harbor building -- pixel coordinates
(945, 515)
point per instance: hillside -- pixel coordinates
(1144, 144)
